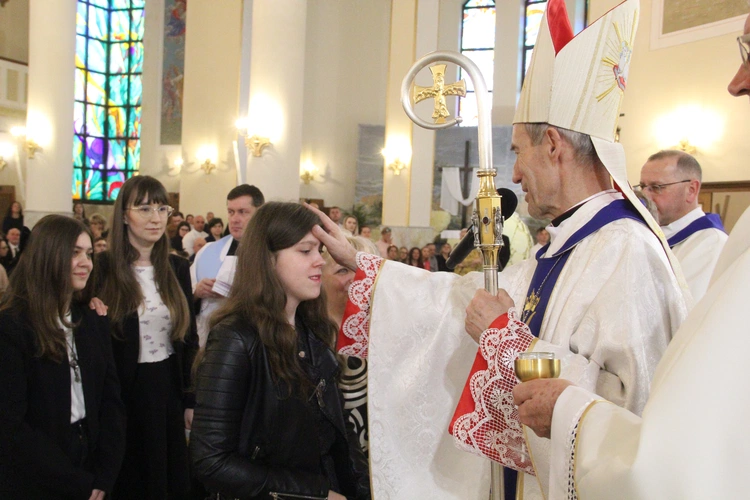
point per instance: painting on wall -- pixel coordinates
(675, 22)
(173, 71)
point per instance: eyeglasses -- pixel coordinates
(744, 42)
(144, 211)
(656, 188)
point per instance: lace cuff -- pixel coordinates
(354, 334)
(486, 419)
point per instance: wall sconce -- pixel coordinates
(308, 172)
(255, 143)
(31, 146)
(264, 124)
(689, 128)
(397, 154)
(207, 156)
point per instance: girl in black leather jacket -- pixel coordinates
(269, 417)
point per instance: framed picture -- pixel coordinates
(728, 199)
(674, 22)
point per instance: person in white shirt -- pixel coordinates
(196, 232)
(672, 180)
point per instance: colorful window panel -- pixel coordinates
(108, 91)
(532, 20)
(478, 44)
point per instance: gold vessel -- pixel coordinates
(533, 365)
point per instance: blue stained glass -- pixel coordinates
(534, 13)
(120, 27)
(136, 57)
(94, 186)
(134, 154)
(97, 23)
(116, 157)
(138, 3)
(118, 58)
(136, 25)
(120, 4)
(77, 151)
(97, 56)
(100, 3)
(95, 152)
(80, 85)
(78, 118)
(81, 19)
(116, 122)
(485, 59)
(95, 120)
(478, 29)
(118, 90)
(136, 90)
(77, 183)
(95, 88)
(479, 3)
(134, 122)
(115, 181)
(80, 51)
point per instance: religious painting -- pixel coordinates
(682, 21)
(173, 71)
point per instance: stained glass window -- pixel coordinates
(108, 89)
(478, 44)
(534, 10)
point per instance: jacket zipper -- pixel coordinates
(282, 496)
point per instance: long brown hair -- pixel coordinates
(120, 289)
(258, 298)
(40, 288)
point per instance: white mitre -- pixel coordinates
(578, 82)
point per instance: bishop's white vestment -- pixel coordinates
(610, 317)
(697, 248)
(692, 441)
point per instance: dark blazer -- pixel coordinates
(35, 412)
(126, 347)
(247, 442)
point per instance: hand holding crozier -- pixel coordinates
(538, 391)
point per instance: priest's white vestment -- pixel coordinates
(692, 441)
(610, 318)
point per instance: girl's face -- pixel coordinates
(4, 248)
(78, 209)
(81, 266)
(415, 253)
(350, 224)
(299, 269)
(403, 252)
(183, 231)
(146, 223)
(216, 230)
(15, 208)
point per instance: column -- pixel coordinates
(49, 120)
(277, 71)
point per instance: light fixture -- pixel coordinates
(264, 124)
(308, 172)
(207, 156)
(257, 144)
(689, 128)
(31, 146)
(397, 153)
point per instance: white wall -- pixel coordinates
(345, 81)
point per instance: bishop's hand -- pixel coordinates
(485, 308)
(334, 240)
(536, 401)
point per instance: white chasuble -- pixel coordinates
(692, 441)
(609, 319)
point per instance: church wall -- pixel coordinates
(14, 30)
(345, 81)
(666, 80)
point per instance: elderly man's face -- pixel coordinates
(671, 201)
(538, 178)
(740, 84)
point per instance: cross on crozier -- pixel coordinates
(438, 92)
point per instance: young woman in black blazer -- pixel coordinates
(147, 292)
(62, 422)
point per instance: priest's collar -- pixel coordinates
(600, 199)
(569, 212)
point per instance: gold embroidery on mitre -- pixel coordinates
(615, 65)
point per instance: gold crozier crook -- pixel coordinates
(487, 218)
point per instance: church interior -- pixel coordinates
(321, 82)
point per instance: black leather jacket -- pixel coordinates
(249, 442)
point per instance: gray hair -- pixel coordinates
(583, 148)
(686, 163)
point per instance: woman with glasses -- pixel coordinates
(148, 295)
